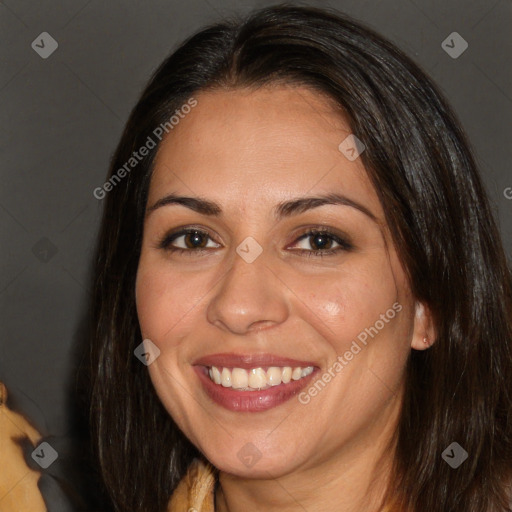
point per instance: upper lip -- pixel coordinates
(248, 361)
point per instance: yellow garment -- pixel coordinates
(196, 490)
(18, 483)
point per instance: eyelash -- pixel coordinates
(344, 245)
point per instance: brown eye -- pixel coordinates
(195, 239)
(321, 242)
(186, 240)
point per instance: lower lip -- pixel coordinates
(251, 401)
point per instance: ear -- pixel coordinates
(424, 332)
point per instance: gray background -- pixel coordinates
(61, 118)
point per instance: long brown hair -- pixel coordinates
(422, 167)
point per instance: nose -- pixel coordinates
(250, 297)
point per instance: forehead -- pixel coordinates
(262, 145)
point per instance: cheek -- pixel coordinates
(350, 302)
(166, 301)
(363, 315)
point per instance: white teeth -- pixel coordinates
(306, 371)
(274, 375)
(239, 378)
(216, 375)
(297, 373)
(256, 378)
(225, 378)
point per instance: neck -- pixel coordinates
(353, 479)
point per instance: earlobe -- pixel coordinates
(424, 334)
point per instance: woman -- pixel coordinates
(301, 298)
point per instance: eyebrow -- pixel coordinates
(280, 211)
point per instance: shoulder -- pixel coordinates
(18, 485)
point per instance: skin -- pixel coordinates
(249, 150)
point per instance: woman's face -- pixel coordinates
(251, 297)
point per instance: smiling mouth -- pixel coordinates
(256, 379)
(252, 382)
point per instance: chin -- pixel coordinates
(258, 459)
